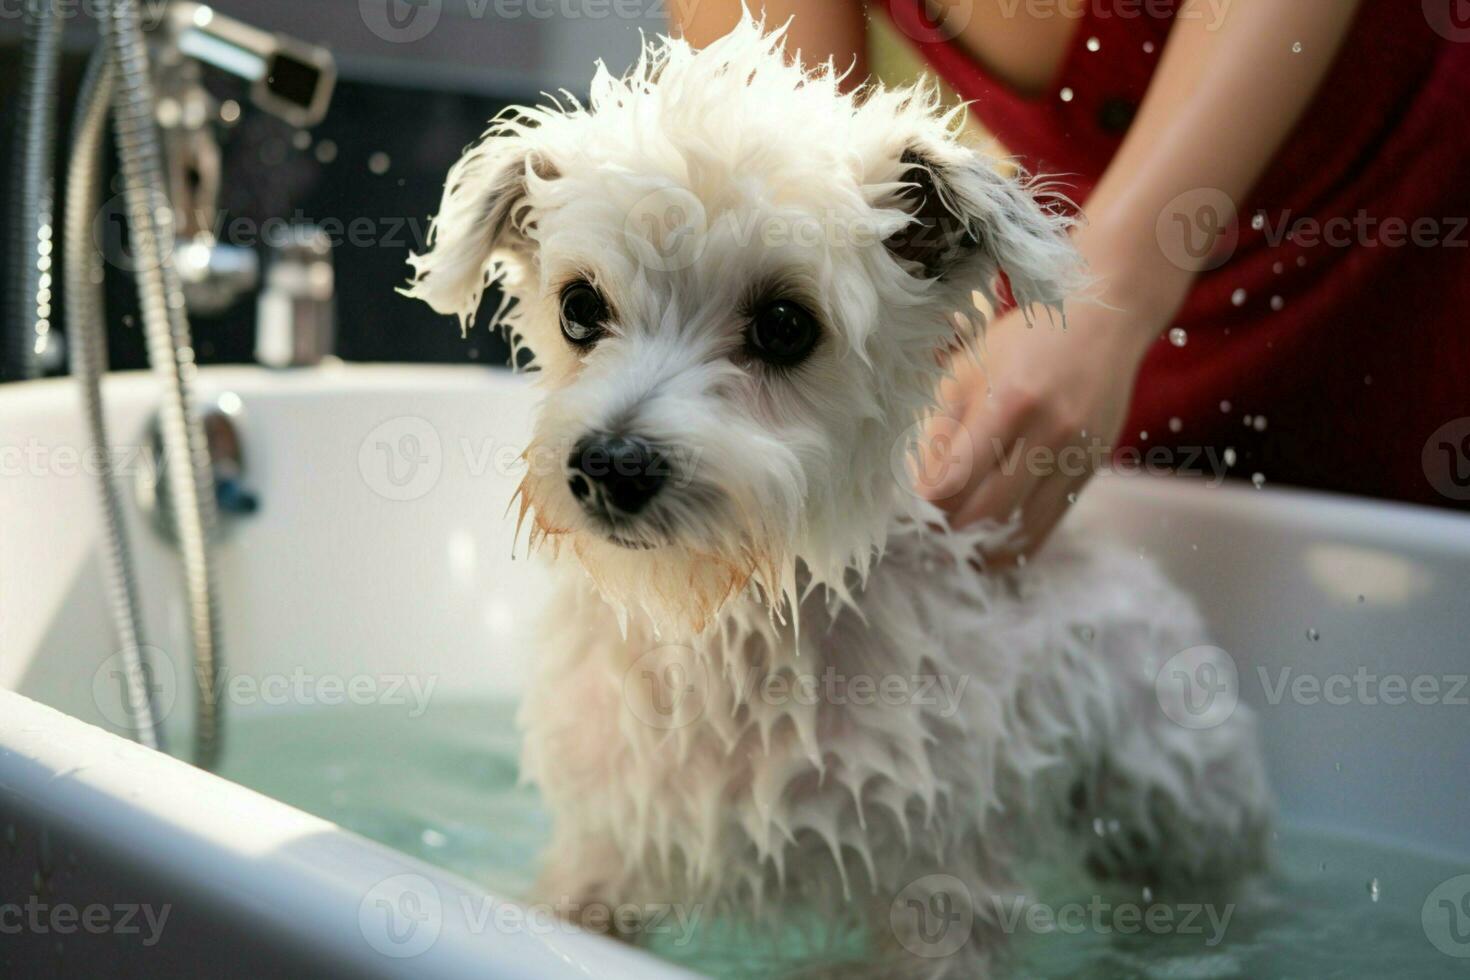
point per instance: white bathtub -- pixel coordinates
(355, 569)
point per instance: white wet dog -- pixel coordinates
(769, 679)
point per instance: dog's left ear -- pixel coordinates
(484, 223)
(970, 221)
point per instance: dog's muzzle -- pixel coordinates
(615, 476)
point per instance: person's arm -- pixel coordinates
(1222, 103)
(820, 29)
(1224, 99)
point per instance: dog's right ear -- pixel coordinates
(484, 226)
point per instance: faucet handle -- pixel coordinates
(296, 317)
(227, 467)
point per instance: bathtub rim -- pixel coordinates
(308, 878)
(1302, 507)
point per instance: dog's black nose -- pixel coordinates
(628, 472)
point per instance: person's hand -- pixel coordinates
(1026, 424)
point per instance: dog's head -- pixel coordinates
(737, 283)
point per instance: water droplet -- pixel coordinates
(1301, 261)
(1373, 889)
(1296, 48)
(326, 151)
(1259, 479)
(1093, 44)
(433, 838)
(1176, 424)
(1258, 222)
(1239, 297)
(1313, 635)
(1097, 826)
(1067, 95)
(379, 163)
(1072, 497)
(1278, 268)
(1148, 47)
(1148, 894)
(1225, 406)
(1229, 456)
(1143, 436)
(1248, 420)
(1278, 304)
(1260, 423)
(1362, 599)
(1337, 767)
(1178, 337)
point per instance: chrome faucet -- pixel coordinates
(289, 79)
(296, 318)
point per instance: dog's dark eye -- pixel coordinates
(583, 314)
(782, 333)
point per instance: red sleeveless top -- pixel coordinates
(1323, 353)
